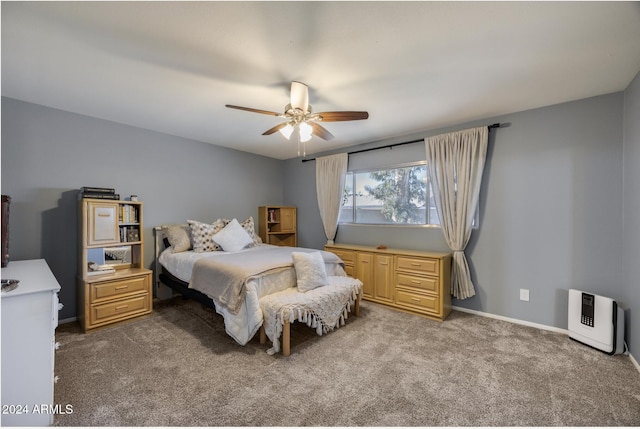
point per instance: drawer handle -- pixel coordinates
(104, 214)
(416, 282)
(122, 287)
(415, 300)
(416, 264)
(121, 307)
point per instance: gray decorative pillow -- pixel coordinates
(178, 238)
(202, 235)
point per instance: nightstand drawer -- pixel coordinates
(120, 309)
(421, 265)
(418, 302)
(429, 284)
(113, 289)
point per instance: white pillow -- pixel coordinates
(310, 271)
(233, 237)
(248, 226)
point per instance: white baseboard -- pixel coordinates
(635, 362)
(509, 319)
(531, 324)
(69, 320)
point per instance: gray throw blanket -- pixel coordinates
(222, 277)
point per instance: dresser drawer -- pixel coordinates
(349, 269)
(425, 303)
(120, 309)
(428, 284)
(348, 256)
(420, 265)
(114, 289)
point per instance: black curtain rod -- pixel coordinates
(492, 126)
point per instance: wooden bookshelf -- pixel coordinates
(277, 225)
(118, 288)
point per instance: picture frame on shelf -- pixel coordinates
(133, 235)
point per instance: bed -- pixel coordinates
(231, 282)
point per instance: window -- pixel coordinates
(398, 195)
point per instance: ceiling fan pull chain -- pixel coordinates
(302, 147)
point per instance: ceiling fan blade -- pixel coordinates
(274, 129)
(249, 109)
(320, 131)
(342, 116)
(299, 96)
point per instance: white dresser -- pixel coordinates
(29, 321)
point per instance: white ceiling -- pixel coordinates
(414, 66)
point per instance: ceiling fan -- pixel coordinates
(298, 114)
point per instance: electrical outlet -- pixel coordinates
(524, 295)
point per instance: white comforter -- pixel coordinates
(243, 325)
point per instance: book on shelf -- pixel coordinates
(97, 190)
(101, 271)
(128, 214)
(101, 196)
(99, 193)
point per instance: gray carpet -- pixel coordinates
(384, 368)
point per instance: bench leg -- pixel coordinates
(263, 335)
(357, 309)
(286, 338)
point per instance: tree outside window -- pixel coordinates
(396, 196)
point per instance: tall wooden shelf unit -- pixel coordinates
(277, 225)
(113, 230)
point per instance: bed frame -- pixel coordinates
(166, 284)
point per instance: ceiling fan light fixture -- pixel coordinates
(286, 131)
(305, 131)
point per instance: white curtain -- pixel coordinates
(331, 172)
(455, 162)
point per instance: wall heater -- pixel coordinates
(596, 321)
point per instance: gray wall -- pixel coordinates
(631, 214)
(48, 154)
(550, 210)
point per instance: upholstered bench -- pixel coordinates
(323, 308)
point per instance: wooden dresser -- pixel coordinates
(410, 280)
